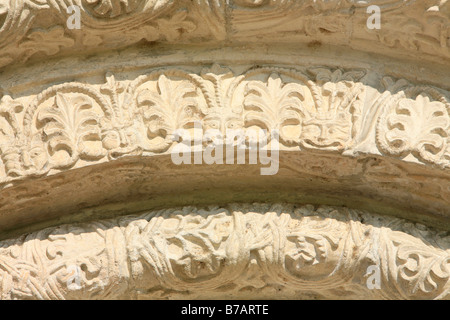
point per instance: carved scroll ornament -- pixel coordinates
(258, 250)
(76, 124)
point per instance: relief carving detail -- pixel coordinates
(261, 250)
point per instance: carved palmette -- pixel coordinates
(315, 108)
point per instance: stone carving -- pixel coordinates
(53, 38)
(22, 35)
(71, 125)
(281, 250)
(416, 121)
(27, 29)
(118, 135)
(321, 22)
(312, 108)
(274, 106)
(111, 9)
(170, 107)
(320, 5)
(366, 128)
(22, 156)
(326, 120)
(338, 106)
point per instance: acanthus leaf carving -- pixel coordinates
(22, 156)
(175, 251)
(48, 41)
(274, 106)
(112, 8)
(418, 126)
(118, 132)
(171, 106)
(166, 20)
(173, 27)
(71, 126)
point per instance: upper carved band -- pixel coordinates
(37, 27)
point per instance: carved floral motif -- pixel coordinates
(324, 250)
(70, 125)
(409, 26)
(170, 107)
(274, 105)
(312, 108)
(416, 121)
(291, 250)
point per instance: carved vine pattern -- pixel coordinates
(22, 35)
(201, 250)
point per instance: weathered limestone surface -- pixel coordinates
(87, 126)
(236, 251)
(38, 27)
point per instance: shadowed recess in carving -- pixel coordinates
(267, 251)
(30, 28)
(317, 108)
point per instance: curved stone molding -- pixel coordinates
(258, 251)
(35, 28)
(407, 26)
(390, 137)
(74, 124)
(94, 206)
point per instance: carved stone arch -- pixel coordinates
(94, 206)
